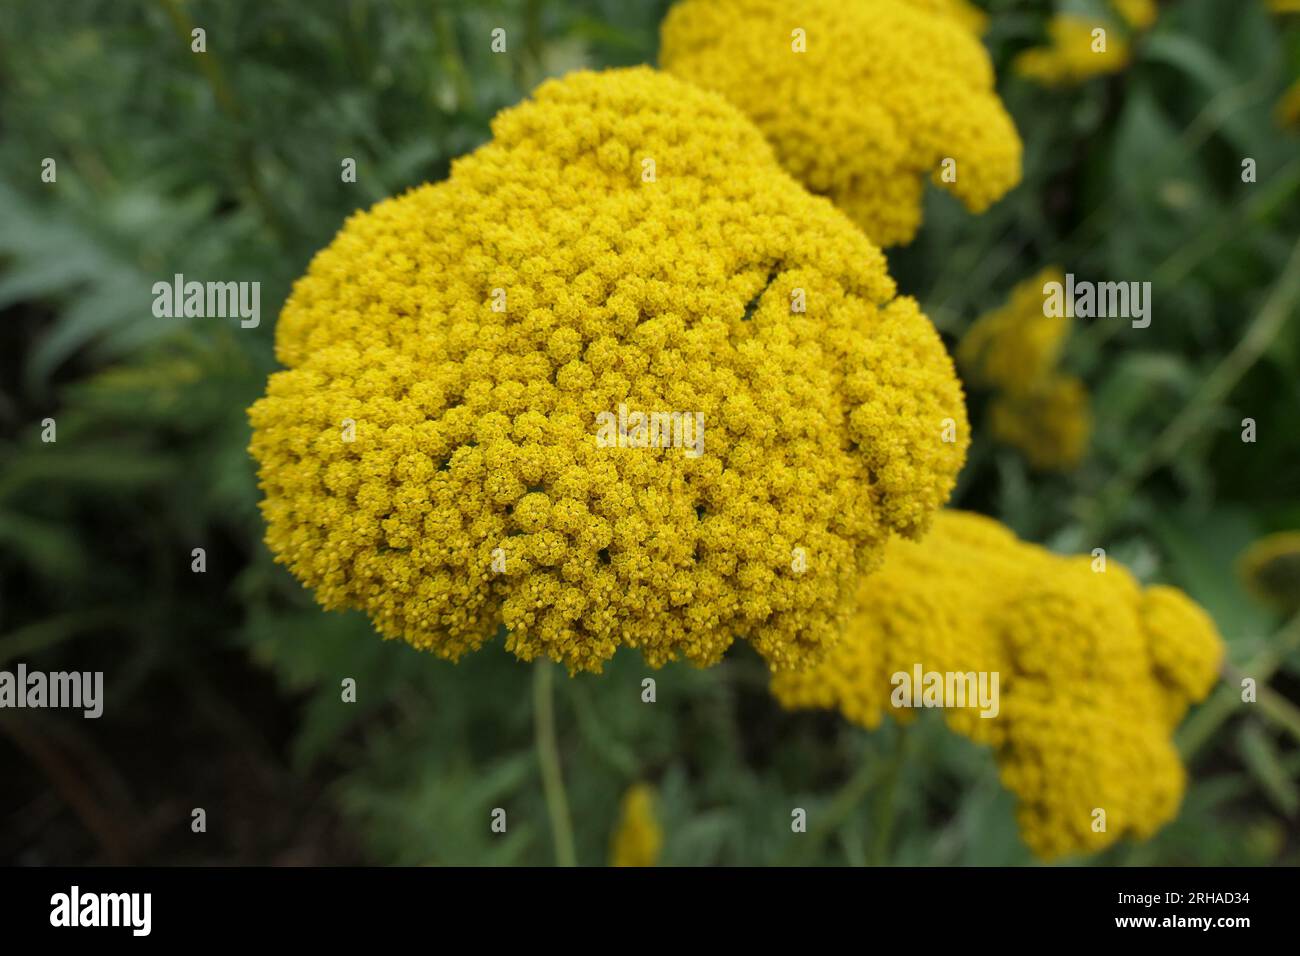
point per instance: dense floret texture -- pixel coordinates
(884, 93)
(962, 11)
(475, 443)
(1094, 673)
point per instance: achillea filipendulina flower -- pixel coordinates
(624, 239)
(1014, 347)
(1050, 424)
(639, 838)
(1271, 569)
(1095, 672)
(1138, 14)
(1014, 351)
(1073, 54)
(883, 92)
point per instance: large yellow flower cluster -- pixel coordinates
(433, 453)
(1094, 673)
(1014, 351)
(862, 99)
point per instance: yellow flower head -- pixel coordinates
(1076, 52)
(1094, 672)
(639, 838)
(1014, 351)
(1050, 424)
(1015, 347)
(862, 99)
(1271, 569)
(625, 243)
(1138, 14)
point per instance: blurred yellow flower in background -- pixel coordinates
(1050, 423)
(1138, 14)
(1014, 351)
(1014, 347)
(1270, 568)
(1095, 672)
(1287, 110)
(1075, 52)
(638, 838)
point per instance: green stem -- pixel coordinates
(529, 68)
(1284, 714)
(45, 633)
(613, 753)
(1259, 335)
(843, 804)
(548, 756)
(1202, 725)
(223, 93)
(1182, 261)
(453, 62)
(887, 804)
(958, 291)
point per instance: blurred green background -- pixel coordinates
(223, 687)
